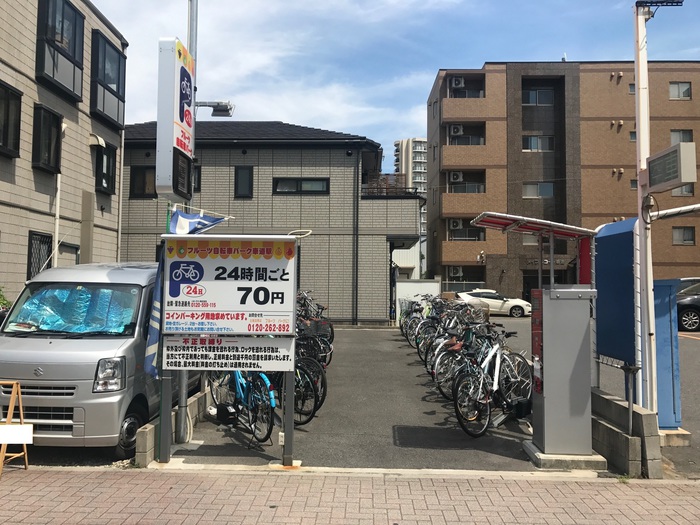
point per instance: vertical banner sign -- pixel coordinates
(175, 133)
(219, 291)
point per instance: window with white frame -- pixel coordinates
(538, 143)
(679, 91)
(681, 135)
(684, 235)
(633, 136)
(46, 146)
(687, 190)
(296, 186)
(538, 97)
(538, 190)
(10, 109)
(632, 89)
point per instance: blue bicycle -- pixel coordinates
(236, 392)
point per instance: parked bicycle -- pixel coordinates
(489, 376)
(250, 393)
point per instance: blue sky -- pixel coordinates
(367, 66)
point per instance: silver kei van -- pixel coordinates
(75, 340)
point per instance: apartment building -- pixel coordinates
(411, 160)
(62, 83)
(274, 178)
(554, 141)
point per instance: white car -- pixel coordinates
(500, 305)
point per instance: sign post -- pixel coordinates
(221, 292)
(175, 133)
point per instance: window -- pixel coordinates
(143, 182)
(538, 190)
(243, 184)
(106, 169)
(107, 93)
(59, 49)
(633, 184)
(538, 97)
(679, 91)
(632, 89)
(467, 140)
(197, 179)
(10, 109)
(46, 149)
(530, 240)
(468, 233)
(38, 253)
(633, 136)
(300, 186)
(687, 190)
(684, 235)
(681, 135)
(538, 143)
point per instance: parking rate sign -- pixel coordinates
(217, 284)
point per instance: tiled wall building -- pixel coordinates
(411, 160)
(554, 141)
(273, 178)
(62, 83)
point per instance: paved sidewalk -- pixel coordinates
(330, 496)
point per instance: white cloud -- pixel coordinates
(367, 66)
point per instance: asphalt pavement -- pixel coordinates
(382, 411)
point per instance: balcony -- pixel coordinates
(455, 109)
(472, 204)
(464, 157)
(466, 253)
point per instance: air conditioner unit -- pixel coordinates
(456, 176)
(457, 82)
(456, 129)
(455, 271)
(455, 224)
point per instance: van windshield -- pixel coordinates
(71, 308)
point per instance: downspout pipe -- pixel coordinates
(356, 236)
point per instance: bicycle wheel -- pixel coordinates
(305, 396)
(445, 366)
(327, 348)
(219, 383)
(319, 376)
(413, 323)
(260, 417)
(515, 378)
(425, 339)
(471, 402)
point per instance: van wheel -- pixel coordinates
(133, 420)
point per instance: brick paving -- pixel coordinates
(109, 496)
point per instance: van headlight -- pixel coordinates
(110, 375)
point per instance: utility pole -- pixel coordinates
(643, 270)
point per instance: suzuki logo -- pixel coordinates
(38, 371)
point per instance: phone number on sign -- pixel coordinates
(269, 327)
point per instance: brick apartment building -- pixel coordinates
(554, 141)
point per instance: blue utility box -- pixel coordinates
(668, 372)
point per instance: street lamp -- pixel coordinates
(218, 108)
